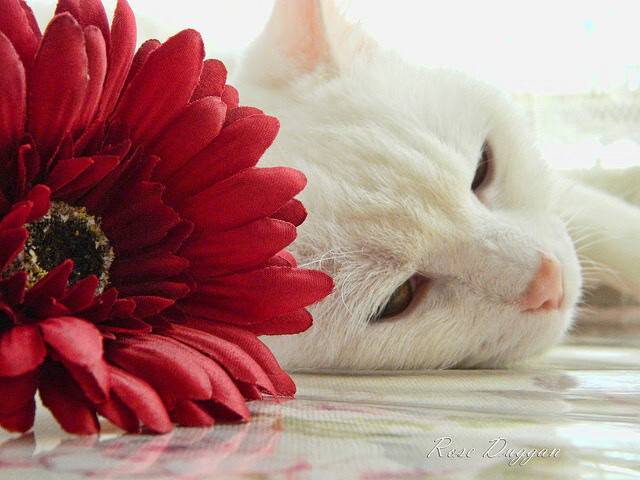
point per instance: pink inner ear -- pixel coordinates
(301, 36)
(299, 30)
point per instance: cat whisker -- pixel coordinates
(593, 270)
(343, 291)
(581, 248)
(325, 258)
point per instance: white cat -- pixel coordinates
(428, 204)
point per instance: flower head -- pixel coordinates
(140, 247)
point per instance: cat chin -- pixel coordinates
(528, 337)
(523, 345)
(499, 337)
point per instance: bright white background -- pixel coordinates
(539, 46)
(542, 46)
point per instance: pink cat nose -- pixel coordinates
(545, 291)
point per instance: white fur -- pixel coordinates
(390, 151)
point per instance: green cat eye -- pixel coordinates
(397, 303)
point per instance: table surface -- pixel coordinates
(572, 414)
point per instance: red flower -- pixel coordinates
(140, 247)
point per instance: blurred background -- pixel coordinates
(572, 66)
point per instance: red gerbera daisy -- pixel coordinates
(140, 248)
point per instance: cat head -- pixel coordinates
(428, 204)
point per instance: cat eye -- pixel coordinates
(397, 303)
(483, 170)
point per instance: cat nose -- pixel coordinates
(545, 291)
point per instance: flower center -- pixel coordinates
(65, 232)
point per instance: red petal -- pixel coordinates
(30, 157)
(14, 175)
(76, 341)
(170, 290)
(171, 315)
(240, 365)
(115, 186)
(21, 350)
(145, 230)
(53, 284)
(257, 295)
(12, 288)
(44, 307)
(5, 204)
(247, 196)
(13, 94)
(283, 259)
(11, 243)
(17, 217)
(87, 12)
(165, 365)
(94, 382)
(63, 151)
(243, 248)
(141, 57)
(17, 23)
(212, 80)
(101, 167)
(10, 317)
(97, 67)
(80, 294)
(79, 345)
(147, 306)
(224, 391)
(249, 343)
(174, 238)
(121, 51)
(236, 147)
(123, 307)
(115, 410)
(289, 324)
(40, 196)
(17, 392)
(187, 135)
(141, 399)
(100, 307)
(162, 87)
(293, 212)
(57, 83)
(142, 197)
(230, 96)
(147, 267)
(190, 414)
(222, 413)
(127, 325)
(67, 171)
(31, 19)
(235, 114)
(20, 421)
(62, 396)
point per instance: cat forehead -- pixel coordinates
(391, 126)
(407, 101)
(390, 151)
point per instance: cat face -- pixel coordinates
(428, 204)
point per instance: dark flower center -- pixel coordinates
(65, 232)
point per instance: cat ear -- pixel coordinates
(303, 36)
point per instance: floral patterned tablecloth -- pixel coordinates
(573, 414)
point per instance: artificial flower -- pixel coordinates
(140, 247)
